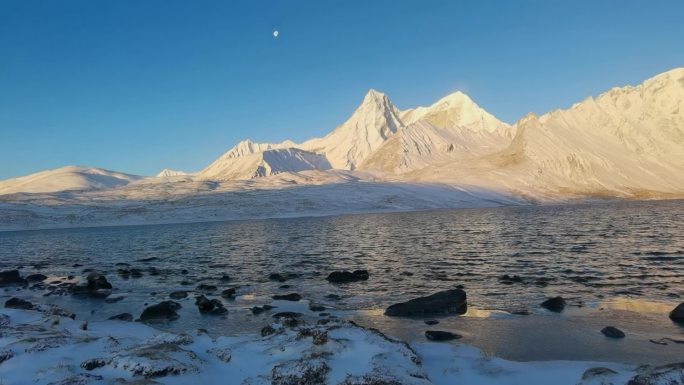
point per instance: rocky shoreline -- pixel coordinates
(37, 341)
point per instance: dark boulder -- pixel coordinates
(555, 304)
(288, 318)
(225, 278)
(612, 332)
(97, 286)
(257, 310)
(677, 314)
(128, 317)
(346, 276)
(229, 293)
(431, 322)
(163, 311)
(210, 306)
(445, 302)
(288, 297)
(98, 281)
(36, 277)
(316, 307)
(260, 309)
(440, 335)
(10, 278)
(18, 303)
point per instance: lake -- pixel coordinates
(619, 263)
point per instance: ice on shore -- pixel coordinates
(36, 348)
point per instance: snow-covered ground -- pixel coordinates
(42, 348)
(184, 199)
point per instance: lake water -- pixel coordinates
(615, 263)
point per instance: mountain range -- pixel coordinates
(626, 142)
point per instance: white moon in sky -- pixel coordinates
(276, 33)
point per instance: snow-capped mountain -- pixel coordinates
(247, 147)
(66, 178)
(626, 142)
(454, 127)
(167, 172)
(457, 111)
(265, 163)
(373, 122)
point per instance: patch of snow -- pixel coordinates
(264, 163)
(167, 172)
(338, 352)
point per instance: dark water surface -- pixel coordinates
(621, 263)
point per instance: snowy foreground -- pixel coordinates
(39, 347)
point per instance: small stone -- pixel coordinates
(93, 363)
(18, 303)
(431, 322)
(229, 293)
(612, 332)
(267, 331)
(128, 317)
(257, 310)
(555, 304)
(210, 306)
(445, 302)
(347, 277)
(439, 335)
(223, 354)
(163, 311)
(287, 314)
(36, 277)
(288, 297)
(597, 372)
(677, 314)
(5, 355)
(11, 277)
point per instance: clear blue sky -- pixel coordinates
(136, 86)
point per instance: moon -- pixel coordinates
(276, 33)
